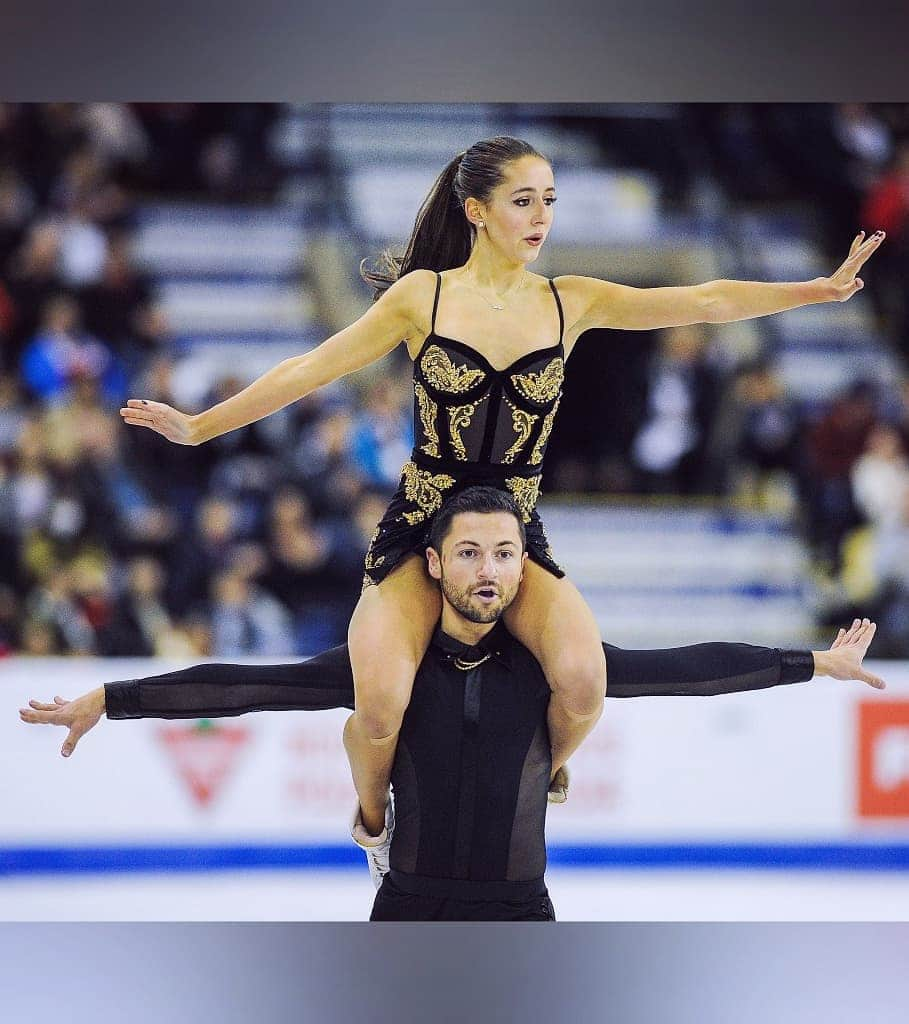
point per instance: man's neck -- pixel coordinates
(457, 626)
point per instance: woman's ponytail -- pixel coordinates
(441, 238)
(442, 235)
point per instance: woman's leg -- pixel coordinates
(550, 617)
(389, 632)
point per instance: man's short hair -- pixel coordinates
(473, 499)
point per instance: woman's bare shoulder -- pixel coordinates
(578, 286)
(414, 293)
(417, 282)
(578, 294)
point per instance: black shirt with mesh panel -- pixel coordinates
(472, 767)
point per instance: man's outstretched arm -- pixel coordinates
(326, 681)
(205, 691)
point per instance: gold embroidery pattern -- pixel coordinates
(459, 417)
(526, 490)
(372, 541)
(542, 386)
(424, 489)
(523, 424)
(443, 374)
(371, 562)
(536, 456)
(428, 410)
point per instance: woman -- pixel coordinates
(489, 341)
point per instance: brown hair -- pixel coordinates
(442, 236)
(473, 499)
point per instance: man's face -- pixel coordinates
(481, 564)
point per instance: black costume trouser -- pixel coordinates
(394, 904)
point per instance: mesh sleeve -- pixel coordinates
(219, 691)
(703, 670)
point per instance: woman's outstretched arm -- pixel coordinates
(594, 303)
(395, 317)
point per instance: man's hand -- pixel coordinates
(844, 281)
(77, 715)
(844, 658)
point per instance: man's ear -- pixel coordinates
(433, 563)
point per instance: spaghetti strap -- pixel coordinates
(435, 305)
(555, 292)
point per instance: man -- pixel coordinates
(472, 771)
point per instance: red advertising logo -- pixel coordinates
(883, 752)
(204, 755)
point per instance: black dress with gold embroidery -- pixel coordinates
(474, 425)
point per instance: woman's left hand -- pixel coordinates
(844, 282)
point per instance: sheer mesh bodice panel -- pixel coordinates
(467, 411)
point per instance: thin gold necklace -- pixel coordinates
(465, 665)
(499, 306)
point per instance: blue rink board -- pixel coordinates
(42, 860)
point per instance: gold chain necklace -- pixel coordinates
(467, 665)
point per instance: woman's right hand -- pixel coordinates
(176, 426)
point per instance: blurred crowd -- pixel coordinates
(114, 542)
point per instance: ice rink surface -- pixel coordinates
(346, 895)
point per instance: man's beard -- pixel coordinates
(463, 601)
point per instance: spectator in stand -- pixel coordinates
(10, 633)
(40, 137)
(867, 140)
(322, 461)
(888, 203)
(114, 303)
(17, 206)
(10, 540)
(32, 279)
(246, 620)
(201, 554)
(93, 591)
(29, 486)
(300, 570)
(189, 473)
(61, 352)
(880, 479)
(85, 192)
(141, 623)
(135, 518)
(832, 446)
(383, 432)
(116, 134)
(151, 340)
(246, 466)
(53, 604)
(754, 436)
(41, 639)
(12, 413)
(670, 447)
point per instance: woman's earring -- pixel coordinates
(481, 223)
